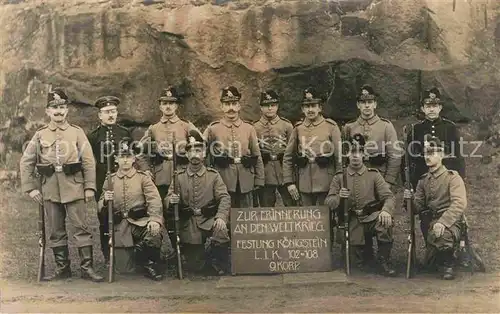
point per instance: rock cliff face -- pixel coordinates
(134, 48)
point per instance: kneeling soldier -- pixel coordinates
(441, 192)
(137, 211)
(204, 204)
(370, 203)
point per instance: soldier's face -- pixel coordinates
(231, 109)
(108, 115)
(433, 159)
(57, 113)
(196, 155)
(269, 110)
(311, 111)
(431, 111)
(356, 159)
(367, 107)
(168, 108)
(125, 162)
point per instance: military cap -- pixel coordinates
(57, 97)
(311, 97)
(269, 97)
(433, 144)
(170, 94)
(105, 101)
(431, 96)
(367, 93)
(230, 93)
(125, 148)
(195, 139)
(357, 142)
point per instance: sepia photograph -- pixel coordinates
(250, 156)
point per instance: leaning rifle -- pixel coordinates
(411, 253)
(176, 210)
(111, 223)
(41, 240)
(345, 205)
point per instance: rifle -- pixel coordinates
(176, 210)
(467, 251)
(343, 161)
(410, 262)
(111, 223)
(297, 169)
(41, 241)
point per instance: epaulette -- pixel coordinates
(373, 169)
(184, 120)
(424, 175)
(94, 130)
(448, 120)
(245, 121)
(214, 123)
(122, 127)
(42, 127)
(212, 169)
(299, 122)
(181, 171)
(338, 172)
(76, 126)
(453, 172)
(385, 120)
(351, 121)
(331, 121)
(286, 120)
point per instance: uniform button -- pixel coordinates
(433, 131)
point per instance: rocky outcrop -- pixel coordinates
(132, 49)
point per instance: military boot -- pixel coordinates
(63, 270)
(384, 253)
(448, 261)
(357, 258)
(151, 264)
(220, 258)
(86, 261)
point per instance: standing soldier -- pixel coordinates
(380, 136)
(441, 193)
(442, 128)
(313, 147)
(137, 211)
(203, 211)
(62, 155)
(371, 206)
(273, 132)
(234, 151)
(108, 113)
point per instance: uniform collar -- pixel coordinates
(229, 124)
(435, 121)
(199, 173)
(359, 172)
(130, 174)
(266, 121)
(53, 126)
(439, 171)
(315, 123)
(370, 121)
(174, 119)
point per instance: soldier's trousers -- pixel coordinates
(241, 200)
(312, 199)
(76, 212)
(267, 196)
(358, 231)
(449, 239)
(143, 237)
(213, 251)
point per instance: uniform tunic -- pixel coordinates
(196, 190)
(366, 185)
(58, 145)
(448, 133)
(236, 139)
(381, 139)
(162, 133)
(443, 193)
(321, 137)
(134, 189)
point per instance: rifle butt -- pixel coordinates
(41, 242)
(111, 235)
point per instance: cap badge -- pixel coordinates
(364, 92)
(169, 93)
(309, 95)
(56, 96)
(269, 97)
(229, 94)
(432, 95)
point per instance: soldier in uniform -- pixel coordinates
(442, 193)
(62, 156)
(234, 151)
(108, 112)
(442, 128)
(371, 206)
(204, 205)
(137, 211)
(380, 135)
(273, 132)
(313, 148)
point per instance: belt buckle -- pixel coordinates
(169, 156)
(274, 157)
(125, 215)
(311, 160)
(197, 212)
(58, 168)
(237, 160)
(359, 212)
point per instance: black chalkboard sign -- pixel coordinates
(277, 240)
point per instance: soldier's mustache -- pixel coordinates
(59, 114)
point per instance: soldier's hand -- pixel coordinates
(294, 193)
(385, 219)
(36, 196)
(257, 187)
(89, 195)
(174, 199)
(109, 195)
(154, 228)
(219, 225)
(408, 194)
(438, 229)
(344, 193)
